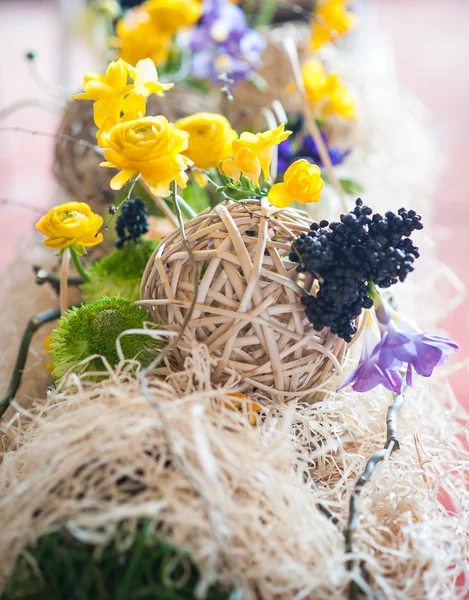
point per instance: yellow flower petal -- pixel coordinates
(279, 196)
(119, 180)
(231, 169)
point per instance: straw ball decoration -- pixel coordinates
(76, 164)
(248, 310)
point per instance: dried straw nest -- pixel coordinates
(249, 503)
(76, 165)
(248, 311)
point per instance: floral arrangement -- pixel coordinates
(248, 304)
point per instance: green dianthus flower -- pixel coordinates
(119, 273)
(93, 329)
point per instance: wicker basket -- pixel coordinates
(248, 311)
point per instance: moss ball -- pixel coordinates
(93, 329)
(119, 273)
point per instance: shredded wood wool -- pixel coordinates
(261, 508)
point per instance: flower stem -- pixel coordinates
(187, 247)
(373, 290)
(186, 209)
(266, 13)
(78, 266)
(64, 281)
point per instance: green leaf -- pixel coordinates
(351, 187)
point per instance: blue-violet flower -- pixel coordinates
(223, 43)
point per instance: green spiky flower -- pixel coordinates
(93, 329)
(119, 273)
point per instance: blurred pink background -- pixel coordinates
(431, 47)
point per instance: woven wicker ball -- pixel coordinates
(248, 309)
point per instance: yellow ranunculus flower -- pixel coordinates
(210, 138)
(70, 223)
(331, 21)
(113, 96)
(244, 162)
(262, 145)
(139, 37)
(151, 147)
(302, 183)
(107, 91)
(145, 78)
(327, 93)
(171, 15)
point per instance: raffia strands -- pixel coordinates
(249, 312)
(247, 501)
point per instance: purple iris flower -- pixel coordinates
(392, 344)
(223, 43)
(403, 341)
(370, 372)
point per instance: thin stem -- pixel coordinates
(266, 13)
(189, 212)
(392, 443)
(64, 281)
(190, 311)
(161, 204)
(311, 124)
(132, 183)
(84, 274)
(15, 381)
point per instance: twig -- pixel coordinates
(15, 381)
(43, 276)
(62, 136)
(313, 128)
(113, 209)
(392, 443)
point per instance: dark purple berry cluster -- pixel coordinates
(132, 222)
(345, 256)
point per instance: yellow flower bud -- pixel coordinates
(139, 37)
(244, 162)
(70, 223)
(151, 147)
(327, 93)
(210, 138)
(331, 21)
(262, 145)
(302, 183)
(172, 15)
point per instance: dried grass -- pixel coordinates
(249, 502)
